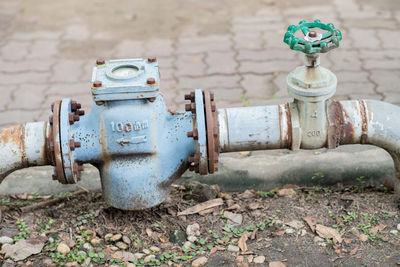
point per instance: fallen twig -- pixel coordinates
(202, 206)
(50, 202)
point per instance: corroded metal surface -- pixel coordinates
(22, 146)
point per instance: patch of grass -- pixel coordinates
(23, 234)
(361, 184)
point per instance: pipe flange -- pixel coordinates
(205, 132)
(61, 143)
(212, 131)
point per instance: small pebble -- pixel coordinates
(108, 237)
(146, 251)
(116, 237)
(193, 229)
(6, 240)
(122, 245)
(199, 262)
(95, 242)
(192, 238)
(155, 249)
(290, 231)
(398, 227)
(394, 232)
(114, 248)
(87, 247)
(232, 248)
(126, 239)
(63, 248)
(259, 259)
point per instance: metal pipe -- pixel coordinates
(22, 146)
(254, 128)
(366, 122)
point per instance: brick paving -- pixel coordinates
(245, 63)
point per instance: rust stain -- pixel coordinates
(289, 126)
(364, 126)
(341, 129)
(286, 139)
(16, 135)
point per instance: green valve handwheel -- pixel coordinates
(313, 42)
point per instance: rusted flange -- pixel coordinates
(212, 136)
(212, 131)
(54, 145)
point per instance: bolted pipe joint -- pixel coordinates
(138, 146)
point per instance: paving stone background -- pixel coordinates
(234, 48)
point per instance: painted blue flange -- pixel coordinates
(67, 155)
(201, 128)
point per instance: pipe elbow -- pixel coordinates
(22, 146)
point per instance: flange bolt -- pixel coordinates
(190, 96)
(191, 107)
(100, 61)
(73, 118)
(152, 59)
(151, 81)
(97, 84)
(193, 134)
(75, 106)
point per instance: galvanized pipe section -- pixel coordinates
(22, 146)
(254, 128)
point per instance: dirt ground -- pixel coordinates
(354, 227)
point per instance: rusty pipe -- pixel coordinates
(22, 146)
(366, 122)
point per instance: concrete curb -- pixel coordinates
(263, 170)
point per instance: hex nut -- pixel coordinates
(152, 59)
(100, 61)
(151, 81)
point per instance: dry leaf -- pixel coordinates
(234, 207)
(279, 233)
(213, 250)
(202, 206)
(353, 251)
(255, 206)
(149, 232)
(253, 234)
(311, 222)
(206, 212)
(296, 224)
(287, 192)
(328, 232)
(378, 228)
(363, 237)
(242, 242)
(347, 240)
